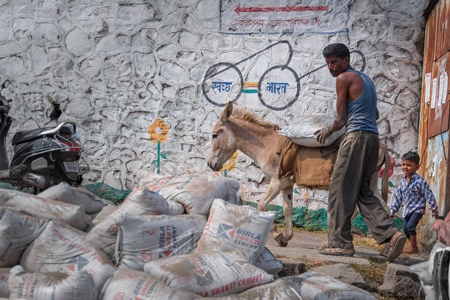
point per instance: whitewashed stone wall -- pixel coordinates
(116, 66)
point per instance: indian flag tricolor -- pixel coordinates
(250, 88)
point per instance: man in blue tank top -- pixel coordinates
(356, 108)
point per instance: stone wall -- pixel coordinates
(114, 67)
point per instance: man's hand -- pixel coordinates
(323, 134)
(435, 214)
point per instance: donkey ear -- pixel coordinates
(226, 113)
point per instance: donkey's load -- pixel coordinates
(302, 131)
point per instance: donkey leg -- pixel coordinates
(274, 188)
(287, 210)
(280, 238)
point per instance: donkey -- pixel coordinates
(238, 129)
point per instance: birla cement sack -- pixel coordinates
(209, 273)
(145, 238)
(140, 201)
(267, 261)
(42, 208)
(231, 227)
(277, 290)
(17, 232)
(52, 285)
(63, 192)
(4, 287)
(102, 215)
(196, 192)
(132, 284)
(60, 249)
(151, 179)
(302, 130)
(315, 285)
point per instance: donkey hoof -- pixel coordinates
(280, 239)
(283, 242)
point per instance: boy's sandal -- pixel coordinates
(337, 251)
(396, 248)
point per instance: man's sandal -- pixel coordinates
(336, 251)
(396, 247)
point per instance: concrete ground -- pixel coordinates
(306, 244)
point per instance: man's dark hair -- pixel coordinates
(412, 156)
(336, 49)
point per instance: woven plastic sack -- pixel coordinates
(145, 238)
(4, 287)
(315, 285)
(302, 131)
(150, 179)
(102, 215)
(53, 285)
(140, 202)
(231, 227)
(209, 273)
(60, 249)
(17, 232)
(268, 262)
(133, 284)
(196, 192)
(63, 192)
(41, 208)
(277, 290)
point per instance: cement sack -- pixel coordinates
(102, 215)
(154, 182)
(4, 287)
(63, 192)
(53, 285)
(41, 208)
(142, 239)
(132, 284)
(60, 249)
(426, 279)
(436, 248)
(277, 290)
(268, 262)
(196, 192)
(175, 208)
(150, 179)
(315, 285)
(17, 232)
(231, 227)
(209, 273)
(301, 132)
(140, 201)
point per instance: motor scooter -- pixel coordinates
(43, 157)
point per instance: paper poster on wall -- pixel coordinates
(441, 90)
(282, 16)
(434, 93)
(438, 112)
(444, 87)
(427, 87)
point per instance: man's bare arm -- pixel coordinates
(343, 83)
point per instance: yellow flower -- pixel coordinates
(156, 137)
(231, 163)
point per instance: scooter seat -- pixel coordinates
(25, 136)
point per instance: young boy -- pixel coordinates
(413, 191)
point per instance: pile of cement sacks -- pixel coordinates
(184, 237)
(434, 274)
